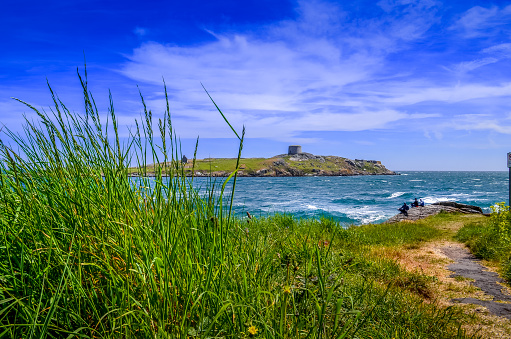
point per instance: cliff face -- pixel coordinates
(301, 164)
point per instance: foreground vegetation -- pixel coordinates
(89, 252)
(491, 241)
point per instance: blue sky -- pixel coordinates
(419, 85)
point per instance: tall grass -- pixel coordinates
(88, 251)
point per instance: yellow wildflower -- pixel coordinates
(252, 330)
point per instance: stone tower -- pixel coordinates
(294, 149)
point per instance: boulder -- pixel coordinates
(279, 162)
(464, 207)
(417, 213)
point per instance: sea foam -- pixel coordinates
(396, 194)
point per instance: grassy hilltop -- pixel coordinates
(302, 164)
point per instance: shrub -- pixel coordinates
(491, 241)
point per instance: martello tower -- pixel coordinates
(294, 149)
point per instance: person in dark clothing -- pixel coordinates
(415, 203)
(404, 209)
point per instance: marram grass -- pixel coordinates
(89, 252)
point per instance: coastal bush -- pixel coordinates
(500, 220)
(507, 269)
(89, 251)
(492, 240)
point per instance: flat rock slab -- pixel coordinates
(468, 266)
(417, 213)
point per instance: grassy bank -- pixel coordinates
(88, 252)
(492, 240)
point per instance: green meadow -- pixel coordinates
(87, 251)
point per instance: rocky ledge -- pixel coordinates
(416, 213)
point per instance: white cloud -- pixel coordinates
(418, 92)
(498, 53)
(500, 49)
(478, 122)
(481, 21)
(468, 66)
(323, 71)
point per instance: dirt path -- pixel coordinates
(466, 265)
(461, 280)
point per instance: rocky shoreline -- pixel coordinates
(417, 213)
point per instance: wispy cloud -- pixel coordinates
(467, 66)
(478, 122)
(291, 76)
(325, 70)
(480, 21)
(502, 50)
(140, 31)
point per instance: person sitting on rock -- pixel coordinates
(415, 203)
(404, 209)
(421, 202)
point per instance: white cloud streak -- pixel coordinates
(320, 72)
(480, 21)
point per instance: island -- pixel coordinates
(293, 164)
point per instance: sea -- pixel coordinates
(359, 200)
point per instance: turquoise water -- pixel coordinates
(364, 199)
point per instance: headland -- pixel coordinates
(293, 164)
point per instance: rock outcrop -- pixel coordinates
(307, 164)
(416, 213)
(283, 165)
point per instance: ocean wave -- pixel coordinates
(396, 194)
(349, 200)
(367, 215)
(358, 214)
(432, 200)
(361, 214)
(374, 218)
(450, 197)
(459, 195)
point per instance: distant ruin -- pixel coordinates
(294, 149)
(375, 162)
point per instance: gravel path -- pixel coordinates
(468, 266)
